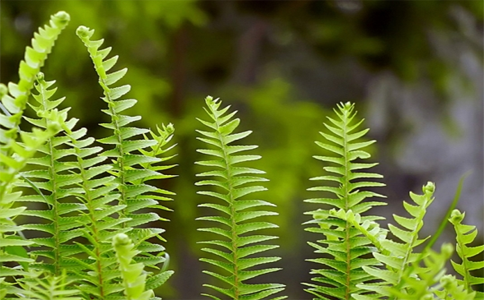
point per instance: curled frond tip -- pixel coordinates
(84, 32)
(61, 18)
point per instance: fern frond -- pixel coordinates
(129, 153)
(465, 235)
(344, 246)
(34, 59)
(14, 154)
(421, 279)
(78, 196)
(419, 282)
(399, 258)
(235, 251)
(136, 161)
(52, 182)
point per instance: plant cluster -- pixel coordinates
(92, 205)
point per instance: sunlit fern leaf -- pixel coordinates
(136, 161)
(468, 269)
(398, 257)
(96, 192)
(344, 247)
(233, 253)
(34, 59)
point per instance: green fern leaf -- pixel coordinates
(34, 59)
(136, 161)
(419, 280)
(14, 154)
(71, 169)
(345, 245)
(400, 259)
(233, 254)
(465, 235)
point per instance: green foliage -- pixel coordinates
(134, 279)
(399, 257)
(76, 199)
(345, 245)
(465, 235)
(234, 182)
(79, 216)
(15, 153)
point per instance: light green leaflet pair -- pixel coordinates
(94, 205)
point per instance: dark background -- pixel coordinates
(414, 69)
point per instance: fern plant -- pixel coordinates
(400, 257)
(79, 216)
(79, 193)
(234, 252)
(344, 247)
(15, 153)
(465, 235)
(133, 164)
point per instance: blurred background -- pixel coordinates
(414, 69)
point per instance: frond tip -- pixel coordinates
(234, 252)
(133, 277)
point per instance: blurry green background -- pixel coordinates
(414, 68)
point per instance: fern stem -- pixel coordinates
(93, 224)
(53, 176)
(120, 160)
(56, 221)
(457, 218)
(232, 212)
(346, 197)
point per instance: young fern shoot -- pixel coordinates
(344, 245)
(234, 252)
(134, 279)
